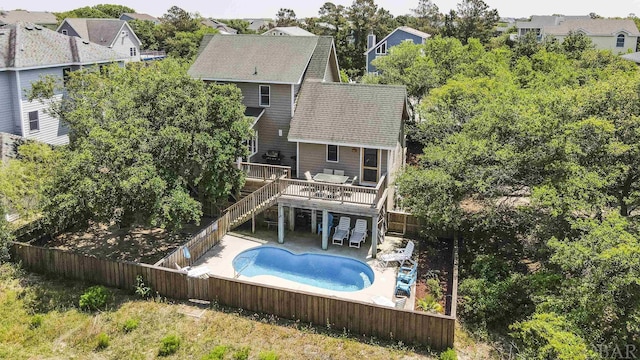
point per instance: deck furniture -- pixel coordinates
(400, 255)
(272, 157)
(401, 302)
(384, 301)
(328, 171)
(330, 221)
(307, 176)
(338, 172)
(408, 273)
(358, 234)
(403, 288)
(352, 181)
(342, 231)
(330, 178)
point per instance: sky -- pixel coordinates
(227, 9)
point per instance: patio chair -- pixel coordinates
(328, 171)
(359, 233)
(342, 231)
(403, 288)
(338, 172)
(400, 255)
(353, 181)
(401, 302)
(409, 273)
(307, 176)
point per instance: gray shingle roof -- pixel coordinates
(222, 27)
(319, 59)
(25, 45)
(254, 58)
(594, 27)
(290, 30)
(349, 114)
(36, 17)
(99, 31)
(139, 16)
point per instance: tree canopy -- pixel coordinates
(148, 145)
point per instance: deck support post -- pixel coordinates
(325, 233)
(314, 221)
(374, 236)
(280, 223)
(292, 218)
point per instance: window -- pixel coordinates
(382, 49)
(133, 51)
(65, 75)
(65, 32)
(252, 144)
(265, 95)
(620, 40)
(370, 165)
(332, 153)
(34, 122)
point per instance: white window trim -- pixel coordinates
(624, 39)
(326, 157)
(260, 95)
(37, 119)
(255, 140)
(379, 49)
(65, 32)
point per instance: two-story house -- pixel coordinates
(112, 33)
(42, 18)
(28, 52)
(397, 36)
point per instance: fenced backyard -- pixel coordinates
(359, 318)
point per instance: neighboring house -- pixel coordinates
(619, 36)
(259, 24)
(288, 31)
(138, 16)
(539, 22)
(397, 36)
(112, 33)
(31, 52)
(41, 18)
(270, 71)
(221, 27)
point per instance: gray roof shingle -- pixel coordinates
(349, 114)
(318, 63)
(290, 30)
(25, 45)
(139, 16)
(99, 31)
(254, 58)
(605, 27)
(36, 17)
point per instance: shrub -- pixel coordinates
(169, 345)
(141, 289)
(241, 354)
(433, 285)
(130, 325)
(217, 353)
(429, 303)
(103, 341)
(268, 355)
(94, 298)
(36, 321)
(448, 354)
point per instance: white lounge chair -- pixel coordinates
(400, 255)
(359, 233)
(342, 231)
(307, 176)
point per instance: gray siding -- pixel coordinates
(393, 40)
(69, 29)
(313, 158)
(276, 117)
(27, 77)
(7, 110)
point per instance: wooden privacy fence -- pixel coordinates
(403, 223)
(359, 318)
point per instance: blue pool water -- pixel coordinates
(319, 270)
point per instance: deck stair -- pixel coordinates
(253, 204)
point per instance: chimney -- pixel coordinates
(371, 40)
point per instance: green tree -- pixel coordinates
(148, 144)
(185, 44)
(5, 236)
(179, 20)
(427, 17)
(83, 12)
(473, 19)
(575, 43)
(286, 17)
(241, 25)
(146, 31)
(113, 11)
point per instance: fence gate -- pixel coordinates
(382, 223)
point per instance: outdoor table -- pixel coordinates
(330, 178)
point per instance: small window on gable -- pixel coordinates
(265, 95)
(133, 51)
(65, 32)
(382, 49)
(34, 121)
(332, 153)
(620, 40)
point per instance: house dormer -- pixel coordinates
(396, 37)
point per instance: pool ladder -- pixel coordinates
(236, 274)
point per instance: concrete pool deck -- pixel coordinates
(218, 260)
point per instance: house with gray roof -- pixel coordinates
(42, 18)
(220, 26)
(112, 33)
(397, 36)
(288, 31)
(141, 17)
(28, 52)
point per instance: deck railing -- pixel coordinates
(348, 194)
(264, 171)
(253, 204)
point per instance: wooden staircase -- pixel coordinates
(253, 204)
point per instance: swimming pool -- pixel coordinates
(324, 271)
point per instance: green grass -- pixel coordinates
(40, 318)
